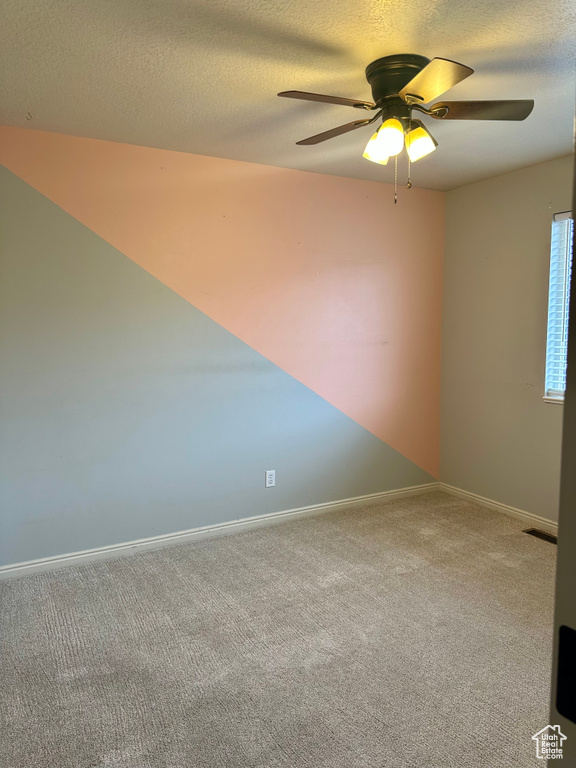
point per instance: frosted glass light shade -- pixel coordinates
(391, 136)
(419, 143)
(375, 151)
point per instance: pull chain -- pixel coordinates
(395, 179)
(409, 183)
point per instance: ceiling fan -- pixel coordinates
(401, 84)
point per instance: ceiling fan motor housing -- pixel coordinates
(387, 76)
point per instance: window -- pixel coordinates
(558, 305)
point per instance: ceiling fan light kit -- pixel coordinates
(402, 84)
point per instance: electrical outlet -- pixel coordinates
(270, 478)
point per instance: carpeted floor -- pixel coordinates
(414, 633)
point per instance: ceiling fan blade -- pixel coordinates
(334, 132)
(482, 110)
(327, 99)
(435, 79)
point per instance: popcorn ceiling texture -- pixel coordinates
(202, 76)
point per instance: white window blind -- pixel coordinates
(558, 304)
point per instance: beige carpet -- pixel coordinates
(414, 633)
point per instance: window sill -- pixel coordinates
(557, 400)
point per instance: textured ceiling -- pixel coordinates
(202, 76)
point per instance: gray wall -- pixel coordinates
(499, 439)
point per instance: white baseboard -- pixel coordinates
(154, 542)
(528, 518)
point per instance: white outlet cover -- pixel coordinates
(270, 478)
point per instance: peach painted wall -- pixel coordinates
(323, 275)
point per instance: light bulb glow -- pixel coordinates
(391, 137)
(374, 151)
(419, 143)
